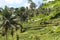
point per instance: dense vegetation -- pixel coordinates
(42, 23)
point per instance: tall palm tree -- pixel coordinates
(32, 7)
(8, 20)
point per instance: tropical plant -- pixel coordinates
(8, 19)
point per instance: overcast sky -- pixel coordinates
(17, 3)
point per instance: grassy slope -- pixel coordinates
(36, 32)
(50, 32)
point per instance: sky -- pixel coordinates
(18, 3)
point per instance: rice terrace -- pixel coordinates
(29, 19)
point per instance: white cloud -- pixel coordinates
(27, 5)
(13, 1)
(48, 1)
(1, 3)
(9, 2)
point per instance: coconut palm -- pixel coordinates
(8, 19)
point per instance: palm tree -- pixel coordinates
(22, 14)
(8, 20)
(32, 7)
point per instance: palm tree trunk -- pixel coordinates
(17, 36)
(12, 38)
(6, 31)
(21, 27)
(6, 37)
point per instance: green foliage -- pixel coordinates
(42, 23)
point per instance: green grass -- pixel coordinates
(34, 31)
